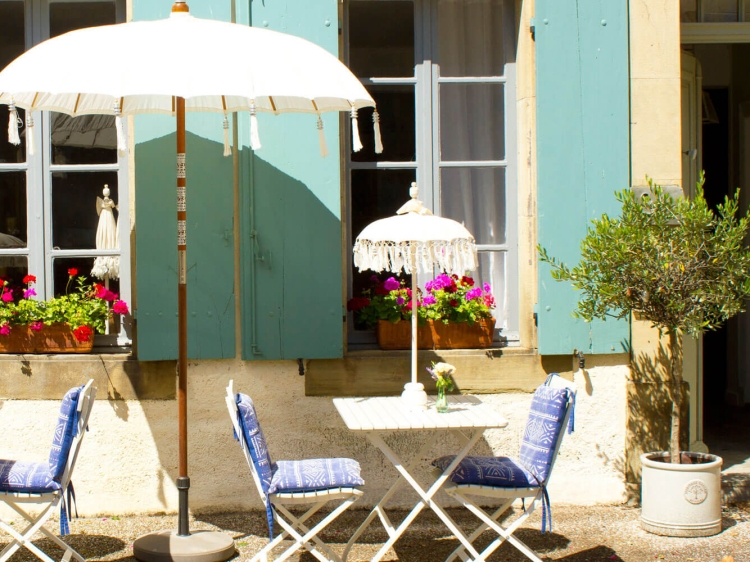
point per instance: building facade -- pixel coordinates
(519, 118)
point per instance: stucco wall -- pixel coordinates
(128, 459)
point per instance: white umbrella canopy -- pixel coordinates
(172, 66)
(416, 241)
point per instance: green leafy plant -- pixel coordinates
(447, 298)
(674, 262)
(86, 308)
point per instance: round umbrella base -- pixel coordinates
(200, 546)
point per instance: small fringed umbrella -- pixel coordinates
(416, 241)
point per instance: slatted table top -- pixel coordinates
(390, 413)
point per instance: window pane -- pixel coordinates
(470, 38)
(376, 194)
(492, 270)
(688, 10)
(13, 232)
(88, 139)
(61, 266)
(13, 269)
(475, 197)
(472, 122)
(74, 204)
(719, 10)
(397, 126)
(67, 16)
(381, 38)
(12, 31)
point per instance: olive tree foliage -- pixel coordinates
(676, 262)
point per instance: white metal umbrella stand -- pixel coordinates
(416, 241)
(289, 74)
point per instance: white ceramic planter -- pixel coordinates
(681, 500)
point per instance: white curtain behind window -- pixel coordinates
(472, 128)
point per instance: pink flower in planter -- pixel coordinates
(4, 330)
(36, 326)
(7, 296)
(30, 292)
(120, 307)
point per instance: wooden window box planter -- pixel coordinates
(437, 335)
(55, 338)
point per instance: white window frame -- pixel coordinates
(428, 164)
(39, 169)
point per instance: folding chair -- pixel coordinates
(283, 483)
(45, 484)
(509, 479)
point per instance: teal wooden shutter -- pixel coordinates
(582, 151)
(210, 256)
(292, 260)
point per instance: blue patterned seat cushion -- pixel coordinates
(501, 472)
(26, 477)
(544, 429)
(67, 425)
(315, 474)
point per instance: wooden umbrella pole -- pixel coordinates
(183, 482)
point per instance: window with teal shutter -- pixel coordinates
(210, 207)
(291, 214)
(583, 153)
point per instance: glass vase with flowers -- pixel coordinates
(442, 374)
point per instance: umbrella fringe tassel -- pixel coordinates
(227, 148)
(356, 143)
(322, 138)
(30, 141)
(254, 136)
(376, 129)
(13, 137)
(457, 256)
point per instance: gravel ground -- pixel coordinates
(595, 533)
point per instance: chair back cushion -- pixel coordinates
(256, 441)
(544, 430)
(315, 474)
(66, 429)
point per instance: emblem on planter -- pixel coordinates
(696, 492)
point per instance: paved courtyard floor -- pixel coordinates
(580, 534)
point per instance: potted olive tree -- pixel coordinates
(685, 268)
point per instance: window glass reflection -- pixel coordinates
(74, 207)
(88, 139)
(475, 197)
(472, 122)
(381, 38)
(396, 108)
(13, 232)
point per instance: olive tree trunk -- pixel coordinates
(675, 367)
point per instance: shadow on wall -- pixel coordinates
(649, 413)
(289, 219)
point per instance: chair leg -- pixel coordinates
(460, 551)
(296, 525)
(24, 537)
(505, 533)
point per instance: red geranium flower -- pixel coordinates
(454, 302)
(73, 272)
(29, 279)
(355, 304)
(83, 333)
(467, 281)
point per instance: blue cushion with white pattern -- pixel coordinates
(502, 472)
(315, 474)
(543, 429)
(26, 477)
(255, 440)
(65, 430)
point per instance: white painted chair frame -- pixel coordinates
(50, 500)
(294, 527)
(461, 493)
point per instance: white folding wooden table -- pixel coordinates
(467, 419)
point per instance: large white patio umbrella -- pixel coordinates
(416, 241)
(171, 66)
